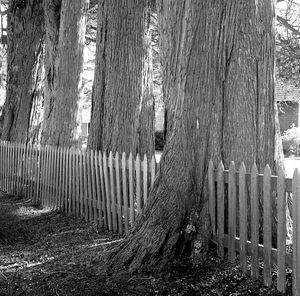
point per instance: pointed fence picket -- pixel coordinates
(248, 196)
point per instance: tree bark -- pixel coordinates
(219, 84)
(65, 35)
(24, 46)
(122, 101)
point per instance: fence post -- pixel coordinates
(220, 210)
(232, 212)
(296, 232)
(73, 194)
(125, 192)
(281, 230)
(98, 191)
(81, 182)
(107, 192)
(267, 226)
(112, 192)
(254, 221)
(243, 216)
(119, 201)
(138, 183)
(212, 196)
(131, 197)
(103, 196)
(90, 191)
(93, 171)
(145, 180)
(77, 180)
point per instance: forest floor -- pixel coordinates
(46, 253)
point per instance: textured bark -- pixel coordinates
(218, 78)
(36, 116)
(122, 102)
(65, 32)
(24, 46)
(145, 126)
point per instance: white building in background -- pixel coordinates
(85, 122)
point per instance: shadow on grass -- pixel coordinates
(23, 224)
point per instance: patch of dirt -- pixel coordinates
(47, 253)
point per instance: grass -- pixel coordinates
(46, 253)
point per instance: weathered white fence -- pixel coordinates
(107, 190)
(111, 190)
(241, 216)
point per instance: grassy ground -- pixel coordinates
(46, 253)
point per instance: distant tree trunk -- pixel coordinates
(24, 46)
(122, 102)
(220, 90)
(145, 125)
(65, 35)
(36, 116)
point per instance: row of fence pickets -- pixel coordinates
(242, 187)
(111, 190)
(107, 190)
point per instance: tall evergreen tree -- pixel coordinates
(122, 101)
(25, 32)
(65, 36)
(219, 84)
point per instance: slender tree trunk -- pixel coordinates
(65, 35)
(122, 102)
(220, 90)
(24, 46)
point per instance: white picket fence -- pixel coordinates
(110, 190)
(107, 190)
(241, 203)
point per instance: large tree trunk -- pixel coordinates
(24, 46)
(65, 35)
(122, 102)
(220, 90)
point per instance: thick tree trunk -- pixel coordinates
(218, 77)
(24, 46)
(65, 35)
(122, 102)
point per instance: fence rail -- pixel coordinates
(104, 189)
(242, 213)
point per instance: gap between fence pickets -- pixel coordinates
(288, 256)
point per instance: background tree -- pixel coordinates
(25, 32)
(220, 86)
(122, 102)
(288, 41)
(65, 36)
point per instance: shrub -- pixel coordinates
(291, 140)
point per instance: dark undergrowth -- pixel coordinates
(46, 253)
